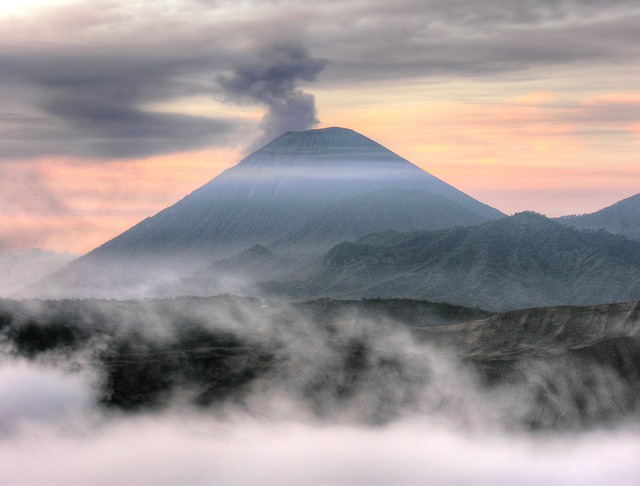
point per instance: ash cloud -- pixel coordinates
(271, 79)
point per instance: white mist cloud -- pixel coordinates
(441, 425)
(35, 393)
(18, 269)
(198, 449)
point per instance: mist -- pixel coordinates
(232, 390)
(18, 269)
(199, 449)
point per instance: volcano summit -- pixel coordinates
(299, 195)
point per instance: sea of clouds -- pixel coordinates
(412, 415)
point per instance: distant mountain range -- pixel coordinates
(621, 218)
(331, 213)
(387, 209)
(284, 186)
(521, 261)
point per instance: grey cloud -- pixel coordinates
(473, 17)
(313, 382)
(91, 106)
(381, 40)
(87, 94)
(611, 118)
(622, 113)
(123, 131)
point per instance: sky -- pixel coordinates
(113, 110)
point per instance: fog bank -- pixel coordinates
(199, 449)
(239, 391)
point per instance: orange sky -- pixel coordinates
(527, 151)
(533, 109)
(514, 154)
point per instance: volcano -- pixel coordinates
(299, 195)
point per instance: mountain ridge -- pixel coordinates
(525, 260)
(622, 217)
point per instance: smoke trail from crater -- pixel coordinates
(271, 79)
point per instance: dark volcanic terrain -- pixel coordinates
(368, 362)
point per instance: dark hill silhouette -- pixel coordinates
(621, 218)
(577, 366)
(521, 261)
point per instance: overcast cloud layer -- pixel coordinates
(78, 79)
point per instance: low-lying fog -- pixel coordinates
(194, 392)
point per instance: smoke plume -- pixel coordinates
(270, 79)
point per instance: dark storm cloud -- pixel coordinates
(122, 131)
(270, 79)
(80, 79)
(91, 106)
